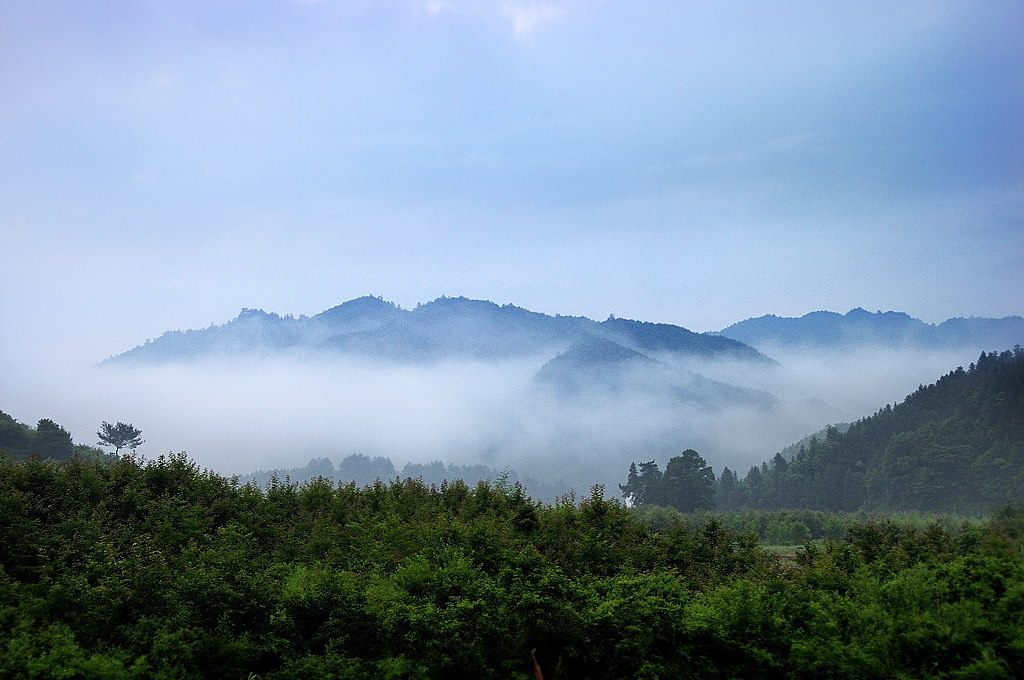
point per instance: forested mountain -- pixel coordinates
(599, 367)
(859, 327)
(447, 328)
(956, 445)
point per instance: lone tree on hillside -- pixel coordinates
(120, 436)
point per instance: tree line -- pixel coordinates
(51, 441)
(954, 446)
(124, 568)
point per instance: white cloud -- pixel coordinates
(526, 18)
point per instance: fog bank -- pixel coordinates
(239, 416)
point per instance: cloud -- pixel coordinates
(239, 416)
(526, 18)
(688, 163)
(523, 17)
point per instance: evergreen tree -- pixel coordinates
(14, 437)
(632, 486)
(651, 487)
(51, 440)
(725, 493)
(120, 436)
(688, 483)
(953, 446)
(644, 487)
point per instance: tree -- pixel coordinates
(51, 440)
(645, 487)
(632, 486)
(14, 437)
(120, 436)
(728, 488)
(688, 483)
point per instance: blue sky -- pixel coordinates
(163, 165)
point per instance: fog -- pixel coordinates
(239, 416)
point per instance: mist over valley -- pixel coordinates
(561, 402)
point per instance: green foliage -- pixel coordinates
(48, 440)
(954, 446)
(687, 484)
(124, 568)
(119, 436)
(51, 440)
(15, 437)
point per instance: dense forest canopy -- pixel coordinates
(956, 445)
(131, 569)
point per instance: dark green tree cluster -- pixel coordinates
(47, 440)
(794, 527)
(158, 569)
(687, 484)
(954, 446)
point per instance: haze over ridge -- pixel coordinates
(167, 164)
(575, 407)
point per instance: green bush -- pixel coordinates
(158, 569)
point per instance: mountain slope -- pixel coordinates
(954, 446)
(447, 328)
(661, 338)
(598, 368)
(882, 329)
(460, 328)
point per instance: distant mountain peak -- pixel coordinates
(645, 336)
(360, 306)
(442, 329)
(591, 349)
(859, 327)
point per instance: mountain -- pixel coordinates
(445, 329)
(596, 367)
(954, 446)
(663, 338)
(858, 327)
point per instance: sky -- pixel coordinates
(163, 165)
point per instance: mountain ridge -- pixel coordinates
(445, 328)
(831, 330)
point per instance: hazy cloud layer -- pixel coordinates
(167, 164)
(237, 417)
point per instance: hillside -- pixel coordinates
(598, 367)
(953, 446)
(445, 329)
(47, 440)
(858, 327)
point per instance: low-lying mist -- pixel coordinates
(239, 416)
